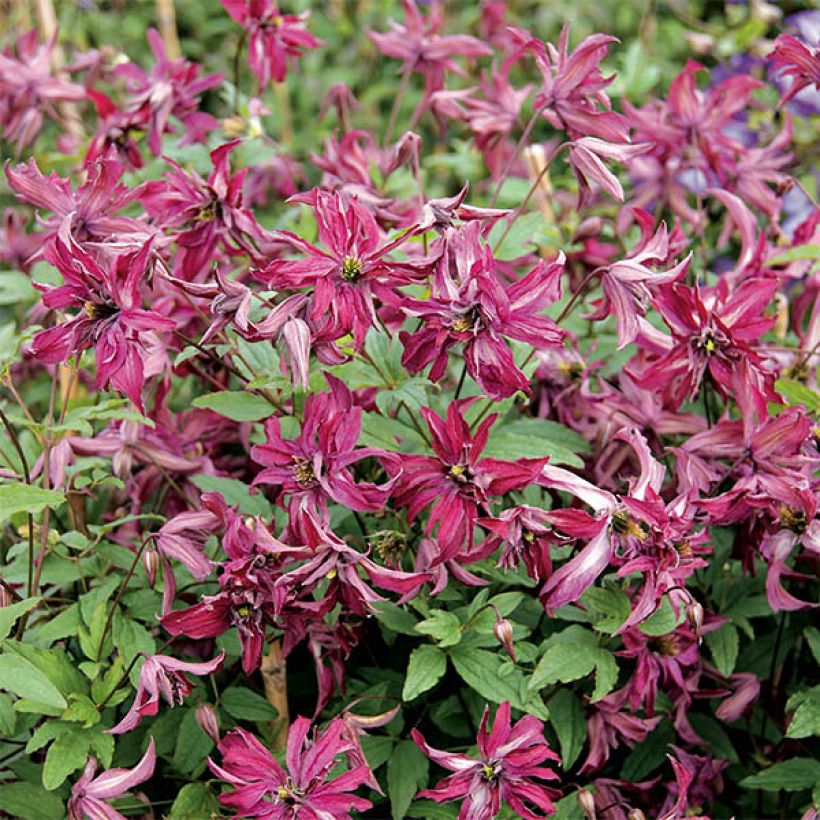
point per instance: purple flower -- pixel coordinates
(164, 676)
(508, 768)
(88, 795)
(262, 788)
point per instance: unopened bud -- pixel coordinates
(587, 803)
(635, 814)
(150, 560)
(703, 44)
(694, 614)
(5, 597)
(504, 634)
(781, 325)
(208, 721)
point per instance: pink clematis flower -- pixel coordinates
(89, 793)
(162, 675)
(470, 304)
(203, 215)
(172, 87)
(353, 271)
(111, 319)
(508, 768)
(456, 480)
(273, 37)
(262, 788)
(29, 89)
(316, 466)
(798, 60)
(421, 48)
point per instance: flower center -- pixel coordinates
(669, 645)
(303, 473)
(470, 320)
(100, 310)
(459, 473)
(351, 269)
(288, 793)
(489, 771)
(624, 524)
(794, 520)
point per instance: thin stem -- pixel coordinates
(394, 111)
(461, 380)
(236, 58)
(516, 151)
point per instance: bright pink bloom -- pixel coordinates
(172, 87)
(586, 155)
(117, 130)
(203, 215)
(457, 481)
(798, 60)
(162, 675)
(508, 768)
(262, 788)
(28, 88)
(469, 303)
(110, 319)
(273, 37)
(88, 794)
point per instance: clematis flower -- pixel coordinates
(422, 49)
(508, 768)
(354, 270)
(468, 303)
(586, 155)
(162, 675)
(456, 480)
(797, 60)
(89, 793)
(315, 467)
(698, 780)
(171, 87)
(117, 130)
(262, 788)
(29, 88)
(273, 37)
(111, 320)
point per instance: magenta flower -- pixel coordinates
(172, 87)
(421, 48)
(117, 130)
(508, 768)
(203, 214)
(273, 37)
(353, 271)
(88, 794)
(87, 215)
(316, 466)
(262, 788)
(29, 89)
(469, 303)
(456, 480)
(110, 319)
(162, 675)
(797, 60)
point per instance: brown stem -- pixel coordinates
(274, 676)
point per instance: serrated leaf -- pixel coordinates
(479, 669)
(406, 773)
(395, 618)
(805, 722)
(562, 663)
(790, 776)
(243, 704)
(10, 614)
(723, 643)
(195, 801)
(19, 497)
(662, 621)
(67, 754)
(569, 721)
(519, 238)
(236, 405)
(441, 625)
(425, 669)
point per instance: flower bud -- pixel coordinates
(150, 560)
(5, 598)
(635, 814)
(504, 634)
(694, 614)
(208, 721)
(587, 803)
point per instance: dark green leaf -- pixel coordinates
(243, 704)
(406, 774)
(236, 405)
(425, 669)
(569, 721)
(723, 643)
(790, 776)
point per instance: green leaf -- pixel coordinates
(812, 635)
(609, 607)
(24, 679)
(510, 446)
(236, 494)
(195, 801)
(798, 393)
(30, 801)
(483, 671)
(805, 721)
(81, 710)
(563, 663)
(66, 754)
(441, 625)
(645, 757)
(723, 643)
(236, 405)
(15, 288)
(8, 717)
(662, 621)
(569, 721)
(794, 254)
(243, 704)
(519, 239)
(192, 746)
(428, 810)
(131, 637)
(790, 776)
(19, 497)
(54, 663)
(406, 773)
(10, 614)
(395, 618)
(425, 669)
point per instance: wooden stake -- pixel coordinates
(274, 675)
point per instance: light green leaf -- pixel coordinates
(798, 393)
(794, 254)
(23, 678)
(30, 801)
(68, 753)
(510, 446)
(569, 721)
(192, 746)
(425, 669)
(723, 644)
(406, 773)
(563, 663)
(441, 625)
(19, 497)
(10, 614)
(662, 621)
(236, 405)
(195, 801)
(395, 618)
(480, 670)
(236, 494)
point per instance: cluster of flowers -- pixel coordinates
(434, 279)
